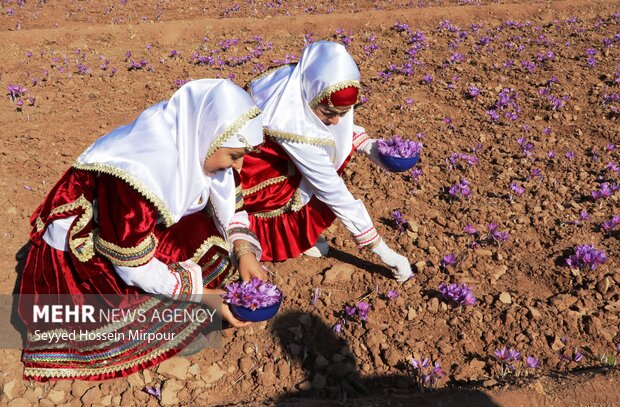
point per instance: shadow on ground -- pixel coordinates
(333, 379)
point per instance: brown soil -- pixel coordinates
(528, 298)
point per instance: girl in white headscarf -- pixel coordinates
(152, 207)
(292, 187)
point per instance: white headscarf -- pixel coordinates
(162, 153)
(288, 95)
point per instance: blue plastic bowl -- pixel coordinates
(398, 164)
(257, 315)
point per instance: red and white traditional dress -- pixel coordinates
(136, 214)
(292, 186)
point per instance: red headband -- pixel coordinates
(343, 97)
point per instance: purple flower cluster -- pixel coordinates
(605, 191)
(612, 223)
(397, 147)
(506, 103)
(460, 188)
(252, 294)
(586, 256)
(427, 375)
(496, 235)
(526, 146)
(458, 294)
(399, 220)
(361, 310)
(456, 159)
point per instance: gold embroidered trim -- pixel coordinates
(334, 88)
(238, 198)
(135, 184)
(296, 138)
(264, 184)
(127, 256)
(81, 247)
(291, 206)
(206, 246)
(39, 225)
(271, 181)
(232, 129)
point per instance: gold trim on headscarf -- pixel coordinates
(232, 129)
(334, 88)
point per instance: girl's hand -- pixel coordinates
(228, 316)
(212, 298)
(249, 268)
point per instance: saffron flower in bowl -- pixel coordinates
(253, 300)
(397, 154)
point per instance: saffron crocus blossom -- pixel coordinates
(392, 294)
(362, 309)
(586, 256)
(252, 294)
(612, 223)
(416, 173)
(350, 311)
(397, 147)
(470, 230)
(399, 220)
(584, 215)
(605, 191)
(577, 356)
(516, 188)
(153, 391)
(457, 294)
(532, 362)
(460, 188)
(448, 260)
(337, 328)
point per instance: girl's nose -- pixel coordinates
(238, 163)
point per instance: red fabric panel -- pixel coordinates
(126, 218)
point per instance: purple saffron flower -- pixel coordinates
(502, 354)
(399, 220)
(612, 223)
(473, 92)
(570, 155)
(584, 215)
(337, 328)
(514, 187)
(577, 356)
(514, 355)
(470, 230)
(586, 256)
(154, 391)
(457, 294)
(397, 147)
(532, 362)
(610, 147)
(252, 294)
(427, 79)
(362, 308)
(315, 297)
(416, 173)
(350, 311)
(420, 364)
(392, 294)
(448, 260)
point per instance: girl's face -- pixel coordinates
(224, 158)
(327, 115)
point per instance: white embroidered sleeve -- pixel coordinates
(317, 169)
(180, 281)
